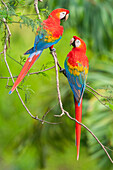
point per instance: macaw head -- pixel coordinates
(78, 43)
(60, 14)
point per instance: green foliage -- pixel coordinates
(22, 59)
(111, 106)
(28, 22)
(11, 15)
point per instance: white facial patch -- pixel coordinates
(77, 43)
(62, 15)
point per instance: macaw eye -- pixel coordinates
(77, 43)
(62, 15)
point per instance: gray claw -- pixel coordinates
(52, 49)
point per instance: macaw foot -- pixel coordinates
(62, 70)
(52, 49)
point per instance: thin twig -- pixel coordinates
(43, 117)
(108, 148)
(99, 99)
(4, 4)
(14, 60)
(42, 70)
(14, 22)
(1, 52)
(95, 91)
(29, 73)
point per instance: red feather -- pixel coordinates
(24, 71)
(78, 116)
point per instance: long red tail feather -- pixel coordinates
(78, 116)
(29, 62)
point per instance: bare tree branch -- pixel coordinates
(34, 117)
(4, 4)
(1, 52)
(43, 117)
(7, 27)
(57, 82)
(14, 60)
(99, 99)
(95, 91)
(30, 73)
(4, 52)
(103, 147)
(36, 7)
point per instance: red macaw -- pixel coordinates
(46, 38)
(76, 66)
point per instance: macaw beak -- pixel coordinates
(72, 42)
(66, 17)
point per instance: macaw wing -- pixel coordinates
(77, 81)
(38, 39)
(77, 85)
(43, 39)
(48, 36)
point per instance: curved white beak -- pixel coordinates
(71, 41)
(67, 16)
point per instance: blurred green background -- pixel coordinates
(26, 143)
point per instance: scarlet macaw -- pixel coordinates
(53, 33)
(76, 66)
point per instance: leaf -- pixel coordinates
(111, 106)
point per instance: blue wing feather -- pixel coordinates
(43, 44)
(40, 44)
(77, 83)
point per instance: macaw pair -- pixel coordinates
(76, 63)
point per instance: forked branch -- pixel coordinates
(5, 59)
